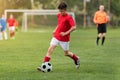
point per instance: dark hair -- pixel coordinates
(62, 5)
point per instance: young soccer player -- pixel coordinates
(11, 22)
(61, 35)
(100, 19)
(3, 28)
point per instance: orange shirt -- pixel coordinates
(100, 17)
(16, 23)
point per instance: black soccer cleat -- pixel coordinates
(77, 63)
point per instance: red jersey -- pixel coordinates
(11, 22)
(64, 24)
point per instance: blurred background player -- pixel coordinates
(100, 19)
(11, 23)
(61, 35)
(3, 27)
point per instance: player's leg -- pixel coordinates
(12, 33)
(74, 57)
(5, 35)
(1, 30)
(65, 47)
(49, 53)
(98, 37)
(47, 58)
(99, 33)
(103, 38)
(53, 44)
(104, 30)
(1, 35)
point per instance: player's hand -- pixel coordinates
(62, 33)
(96, 25)
(53, 32)
(96, 22)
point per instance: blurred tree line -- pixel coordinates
(111, 7)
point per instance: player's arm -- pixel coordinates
(69, 31)
(95, 18)
(72, 28)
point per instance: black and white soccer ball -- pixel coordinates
(46, 67)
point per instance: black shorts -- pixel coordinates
(102, 28)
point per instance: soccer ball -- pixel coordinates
(46, 67)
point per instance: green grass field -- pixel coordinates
(19, 58)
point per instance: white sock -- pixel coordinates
(1, 36)
(5, 35)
